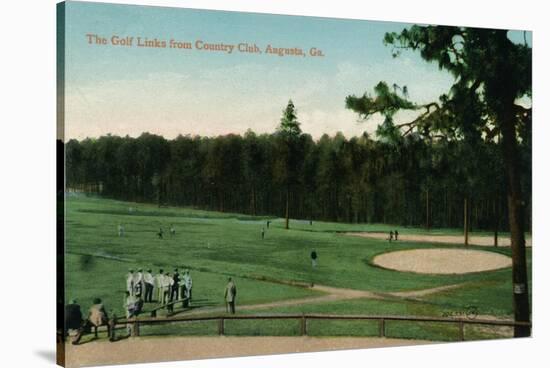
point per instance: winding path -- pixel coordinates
(332, 294)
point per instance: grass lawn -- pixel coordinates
(215, 245)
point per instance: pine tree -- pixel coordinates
(289, 123)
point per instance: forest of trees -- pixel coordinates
(406, 181)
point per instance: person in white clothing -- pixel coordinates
(129, 304)
(168, 283)
(159, 286)
(139, 286)
(120, 230)
(130, 282)
(188, 282)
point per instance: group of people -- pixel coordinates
(168, 290)
(144, 287)
(76, 325)
(166, 287)
(393, 235)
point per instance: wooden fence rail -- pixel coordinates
(184, 304)
(303, 319)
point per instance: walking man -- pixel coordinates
(391, 236)
(263, 233)
(149, 286)
(395, 234)
(159, 234)
(230, 296)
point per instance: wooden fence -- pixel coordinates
(303, 318)
(184, 304)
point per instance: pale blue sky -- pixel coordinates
(129, 90)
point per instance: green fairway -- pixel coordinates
(215, 245)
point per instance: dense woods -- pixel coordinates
(409, 181)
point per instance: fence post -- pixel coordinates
(461, 331)
(381, 327)
(303, 325)
(135, 329)
(221, 326)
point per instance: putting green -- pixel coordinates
(442, 261)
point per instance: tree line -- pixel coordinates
(406, 181)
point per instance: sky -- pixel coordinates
(126, 90)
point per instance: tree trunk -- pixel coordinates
(496, 214)
(449, 214)
(253, 201)
(221, 198)
(311, 211)
(516, 219)
(159, 196)
(466, 224)
(287, 205)
(428, 209)
(366, 208)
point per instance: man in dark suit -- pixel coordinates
(73, 317)
(175, 286)
(230, 295)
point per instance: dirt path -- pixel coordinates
(332, 294)
(143, 349)
(486, 241)
(162, 349)
(424, 292)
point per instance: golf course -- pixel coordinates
(274, 275)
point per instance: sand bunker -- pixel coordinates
(442, 261)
